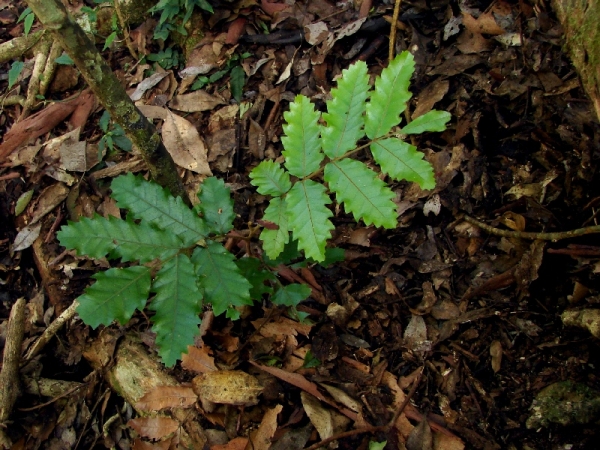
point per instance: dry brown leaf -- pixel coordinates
(36, 125)
(443, 441)
(496, 354)
(195, 101)
(235, 30)
(198, 360)
(429, 96)
(484, 24)
(301, 382)
(138, 444)
(420, 438)
(167, 397)
(154, 427)
(261, 439)
(49, 199)
(239, 443)
(230, 387)
(185, 144)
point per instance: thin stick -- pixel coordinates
(393, 29)
(534, 236)
(52, 329)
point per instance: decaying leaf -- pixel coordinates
(230, 387)
(167, 397)
(198, 360)
(261, 439)
(154, 427)
(185, 144)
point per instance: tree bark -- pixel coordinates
(105, 85)
(580, 20)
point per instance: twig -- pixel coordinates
(385, 428)
(52, 329)
(403, 405)
(9, 376)
(393, 29)
(557, 236)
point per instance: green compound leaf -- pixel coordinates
(363, 194)
(291, 295)
(98, 237)
(115, 295)
(302, 142)
(308, 217)
(220, 278)
(432, 121)
(270, 179)
(177, 303)
(251, 269)
(274, 240)
(389, 98)
(344, 115)
(216, 206)
(403, 161)
(156, 206)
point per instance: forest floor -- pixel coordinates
(464, 321)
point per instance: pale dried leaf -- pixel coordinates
(496, 354)
(167, 397)
(185, 144)
(420, 438)
(146, 84)
(315, 33)
(154, 427)
(416, 333)
(343, 397)
(319, 416)
(230, 387)
(26, 237)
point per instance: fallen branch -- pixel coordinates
(557, 236)
(9, 376)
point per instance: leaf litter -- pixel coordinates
(482, 313)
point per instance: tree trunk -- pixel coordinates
(580, 20)
(96, 72)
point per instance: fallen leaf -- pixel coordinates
(26, 237)
(198, 360)
(261, 439)
(49, 199)
(319, 416)
(239, 443)
(229, 387)
(167, 397)
(147, 84)
(154, 427)
(195, 101)
(420, 438)
(415, 334)
(185, 144)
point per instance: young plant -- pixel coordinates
(173, 12)
(311, 149)
(180, 263)
(114, 136)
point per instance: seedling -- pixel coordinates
(312, 149)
